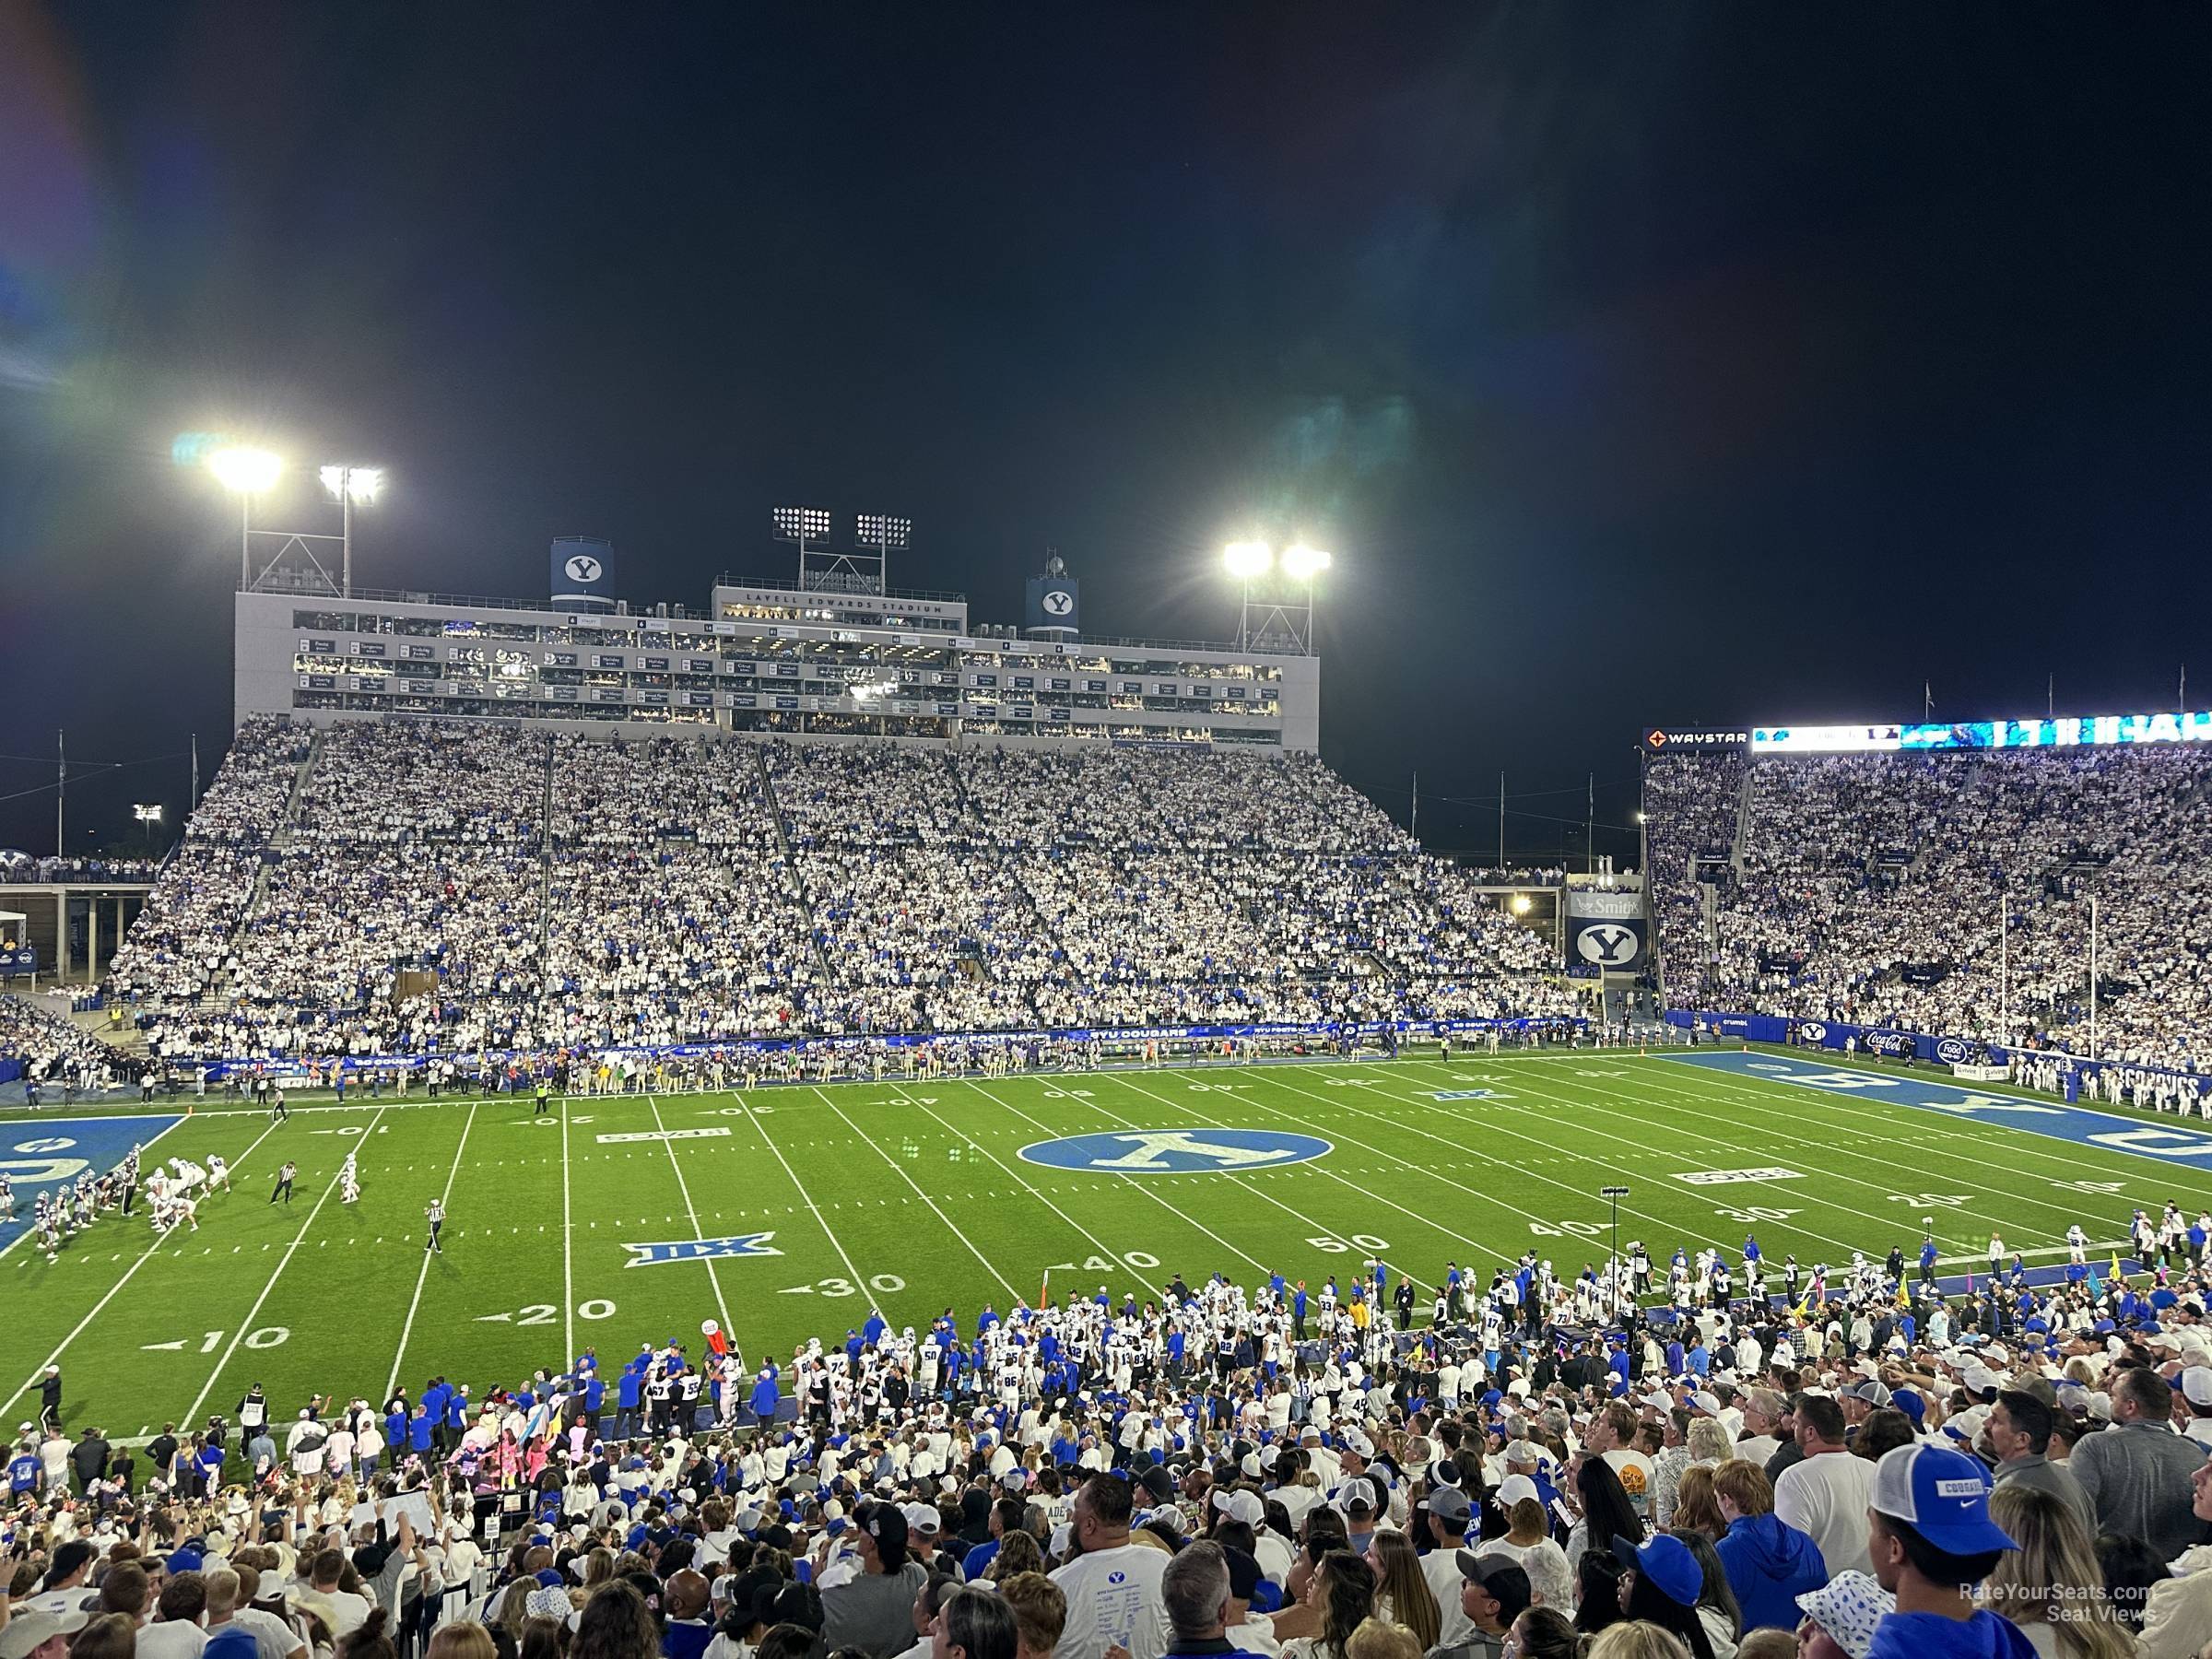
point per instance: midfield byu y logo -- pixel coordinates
(582, 567)
(1177, 1152)
(1606, 943)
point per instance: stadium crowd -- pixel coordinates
(564, 893)
(1542, 1467)
(1876, 889)
(52, 1050)
(24, 867)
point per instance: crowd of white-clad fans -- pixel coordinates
(564, 892)
(1876, 890)
(19, 867)
(49, 1046)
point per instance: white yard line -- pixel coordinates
(567, 1242)
(1043, 1197)
(150, 1251)
(870, 1140)
(192, 1413)
(720, 1304)
(423, 1273)
(806, 1198)
(1128, 1180)
(1431, 1222)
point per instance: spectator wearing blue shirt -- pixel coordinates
(766, 1396)
(1006, 1517)
(626, 1402)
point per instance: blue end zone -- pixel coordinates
(41, 1153)
(2080, 1126)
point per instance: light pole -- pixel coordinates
(883, 532)
(147, 814)
(801, 524)
(1303, 563)
(1616, 1193)
(1247, 560)
(347, 485)
(245, 472)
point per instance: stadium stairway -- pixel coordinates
(545, 864)
(796, 883)
(1743, 825)
(281, 834)
(1040, 924)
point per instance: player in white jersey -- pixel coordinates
(218, 1173)
(182, 1212)
(2078, 1245)
(350, 1182)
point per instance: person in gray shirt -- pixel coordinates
(875, 1611)
(2136, 1473)
(2020, 1433)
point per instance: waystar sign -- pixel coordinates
(1657, 739)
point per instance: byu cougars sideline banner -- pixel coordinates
(1605, 931)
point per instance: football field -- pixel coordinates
(788, 1212)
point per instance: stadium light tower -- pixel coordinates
(1303, 564)
(1247, 561)
(245, 472)
(348, 485)
(801, 524)
(1286, 609)
(883, 532)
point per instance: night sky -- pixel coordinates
(1699, 363)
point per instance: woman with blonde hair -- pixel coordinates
(1637, 1639)
(1402, 1592)
(1376, 1639)
(1697, 1508)
(1017, 1553)
(1710, 1441)
(464, 1639)
(2052, 1586)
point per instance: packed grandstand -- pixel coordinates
(1946, 892)
(567, 893)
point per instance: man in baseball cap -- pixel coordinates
(1494, 1591)
(1932, 1542)
(33, 1634)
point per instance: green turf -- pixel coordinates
(913, 1197)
